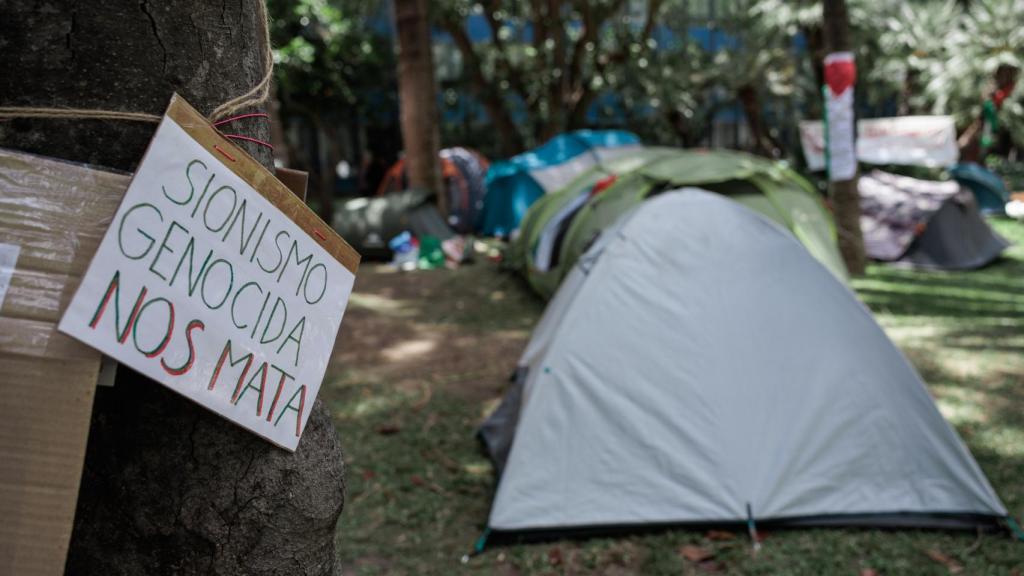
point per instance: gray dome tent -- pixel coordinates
(924, 223)
(699, 366)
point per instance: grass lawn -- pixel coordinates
(424, 356)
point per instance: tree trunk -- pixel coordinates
(282, 151)
(815, 36)
(845, 198)
(764, 144)
(688, 135)
(168, 487)
(418, 98)
(327, 160)
(557, 75)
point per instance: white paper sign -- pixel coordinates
(928, 141)
(203, 285)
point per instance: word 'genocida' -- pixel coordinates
(229, 258)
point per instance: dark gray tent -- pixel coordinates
(368, 223)
(924, 223)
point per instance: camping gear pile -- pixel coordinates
(560, 226)
(514, 184)
(427, 252)
(924, 223)
(700, 365)
(375, 226)
(370, 223)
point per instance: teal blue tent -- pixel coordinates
(514, 184)
(988, 188)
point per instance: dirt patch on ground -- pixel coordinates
(406, 329)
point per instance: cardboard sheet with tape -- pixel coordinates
(52, 217)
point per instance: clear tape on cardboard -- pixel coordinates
(39, 194)
(8, 260)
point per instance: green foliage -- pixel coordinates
(928, 56)
(914, 42)
(664, 91)
(948, 57)
(328, 61)
(545, 64)
(805, 17)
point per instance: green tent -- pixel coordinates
(559, 227)
(547, 206)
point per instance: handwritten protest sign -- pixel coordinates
(214, 280)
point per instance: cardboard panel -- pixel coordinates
(296, 180)
(56, 213)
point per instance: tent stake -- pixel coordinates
(752, 528)
(1015, 528)
(478, 548)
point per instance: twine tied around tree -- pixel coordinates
(254, 97)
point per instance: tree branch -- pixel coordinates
(492, 100)
(653, 6)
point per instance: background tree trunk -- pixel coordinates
(327, 159)
(418, 98)
(845, 197)
(168, 487)
(764, 143)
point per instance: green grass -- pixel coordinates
(407, 404)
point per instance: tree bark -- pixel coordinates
(327, 160)
(815, 36)
(168, 487)
(418, 98)
(689, 133)
(764, 144)
(557, 75)
(282, 150)
(845, 197)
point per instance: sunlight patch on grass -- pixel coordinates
(479, 469)
(1005, 441)
(349, 377)
(988, 294)
(379, 304)
(409, 349)
(965, 365)
(909, 333)
(371, 405)
(961, 405)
